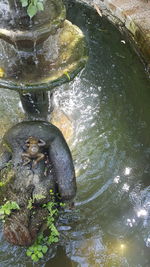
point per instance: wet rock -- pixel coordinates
(31, 185)
(64, 123)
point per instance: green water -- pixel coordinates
(108, 104)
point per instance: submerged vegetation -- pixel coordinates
(33, 6)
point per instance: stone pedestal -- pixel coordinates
(38, 54)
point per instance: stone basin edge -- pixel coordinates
(131, 17)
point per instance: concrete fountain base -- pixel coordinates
(62, 56)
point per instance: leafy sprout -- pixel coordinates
(38, 249)
(33, 6)
(7, 208)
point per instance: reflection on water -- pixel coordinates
(108, 106)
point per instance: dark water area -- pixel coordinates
(108, 105)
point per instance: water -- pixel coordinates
(108, 105)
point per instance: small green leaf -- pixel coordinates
(40, 255)
(31, 10)
(31, 249)
(1, 212)
(54, 230)
(39, 247)
(14, 206)
(40, 237)
(44, 249)
(40, 6)
(62, 204)
(7, 211)
(34, 258)
(67, 74)
(24, 3)
(35, 249)
(29, 253)
(55, 239)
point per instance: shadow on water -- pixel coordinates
(108, 105)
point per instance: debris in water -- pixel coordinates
(67, 74)
(123, 41)
(98, 10)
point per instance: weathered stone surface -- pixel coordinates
(64, 123)
(16, 26)
(26, 184)
(48, 50)
(134, 15)
(62, 56)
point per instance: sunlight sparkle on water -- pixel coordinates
(122, 246)
(126, 187)
(117, 179)
(148, 242)
(130, 222)
(142, 213)
(127, 171)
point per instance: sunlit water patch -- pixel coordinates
(108, 106)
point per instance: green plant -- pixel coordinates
(33, 6)
(38, 249)
(40, 246)
(7, 208)
(53, 212)
(31, 201)
(30, 204)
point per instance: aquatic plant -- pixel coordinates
(33, 6)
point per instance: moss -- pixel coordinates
(143, 42)
(39, 196)
(35, 198)
(7, 147)
(6, 176)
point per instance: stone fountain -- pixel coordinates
(40, 53)
(37, 55)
